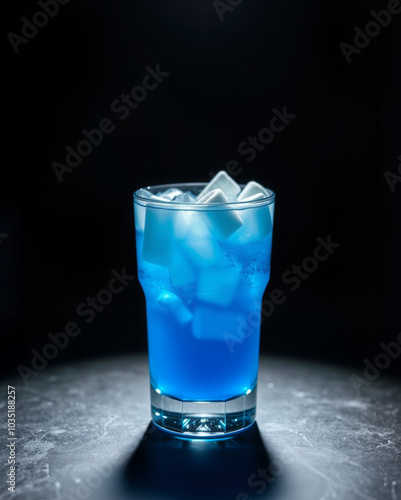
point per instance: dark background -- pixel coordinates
(327, 167)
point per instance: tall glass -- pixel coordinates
(203, 269)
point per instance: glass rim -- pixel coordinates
(231, 205)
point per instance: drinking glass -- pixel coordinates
(203, 269)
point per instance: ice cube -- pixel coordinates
(218, 286)
(159, 236)
(152, 275)
(254, 197)
(200, 246)
(213, 323)
(140, 213)
(170, 193)
(183, 220)
(222, 223)
(191, 196)
(156, 197)
(258, 220)
(144, 193)
(257, 273)
(224, 182)
(217, 196)
(140, 210)
(174, 306)
(249, 295)
(181, 270)
(251, 189)
(257, 224)
(182, 198)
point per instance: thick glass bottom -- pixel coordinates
(203, 419)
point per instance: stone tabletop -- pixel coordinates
(84, 432)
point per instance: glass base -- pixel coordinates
(203, 419)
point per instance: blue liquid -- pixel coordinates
(203, 334)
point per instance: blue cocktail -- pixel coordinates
(203, 267)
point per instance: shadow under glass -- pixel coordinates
(165, 467)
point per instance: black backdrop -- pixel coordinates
(224, 79)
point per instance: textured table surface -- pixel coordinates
(83, 433)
